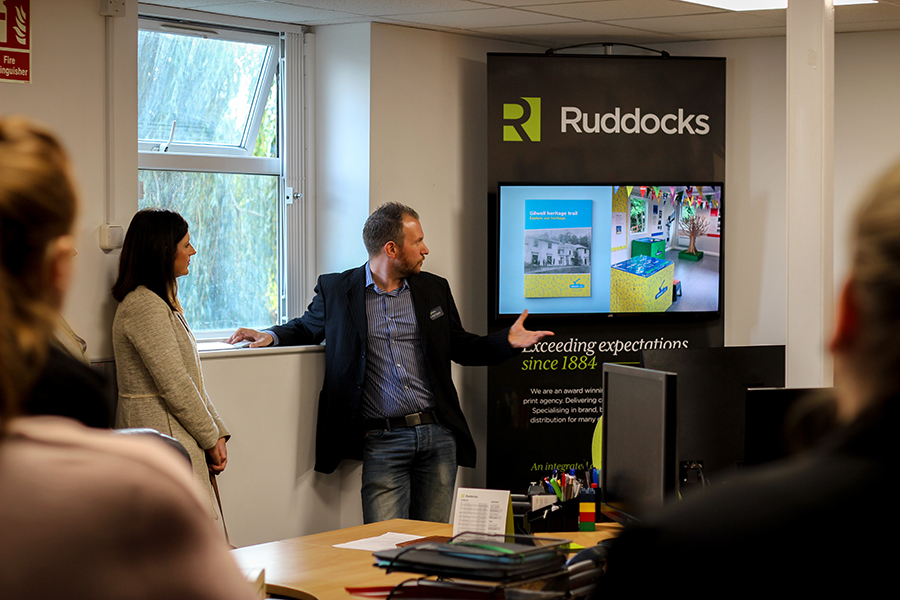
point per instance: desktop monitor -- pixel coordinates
(639, 463)
(782, 421)
(712, 389)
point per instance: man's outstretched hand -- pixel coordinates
(258, 339)
(519, 337)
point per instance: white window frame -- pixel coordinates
(296, 209)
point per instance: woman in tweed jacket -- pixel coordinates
(157, 365)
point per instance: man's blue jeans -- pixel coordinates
(409, 473)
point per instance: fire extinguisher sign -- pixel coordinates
(15, 41)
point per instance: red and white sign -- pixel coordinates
(15, 41)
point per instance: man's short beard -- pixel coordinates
(405, 269)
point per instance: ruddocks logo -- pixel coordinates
(522, 120)
(676, 123)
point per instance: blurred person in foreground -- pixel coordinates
(821, 523)
(157, 363)
(84, 514)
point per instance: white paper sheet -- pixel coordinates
(382, 542)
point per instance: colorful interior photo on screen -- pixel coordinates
(609, 249)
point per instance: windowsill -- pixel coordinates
(235, 352)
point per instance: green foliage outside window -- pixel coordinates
(267, 141)
(638, 215)
(233, 277)
(208, 86)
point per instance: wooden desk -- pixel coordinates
(309, 568)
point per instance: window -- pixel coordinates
(211, 141)
(638, 215)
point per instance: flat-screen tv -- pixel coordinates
(608, 249)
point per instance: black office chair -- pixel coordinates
(585, 569)
(160, 436)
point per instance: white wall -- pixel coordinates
(866, 127)
(68, 93)
(342, 85)
(268, 399)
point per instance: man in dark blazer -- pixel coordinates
(391, 332)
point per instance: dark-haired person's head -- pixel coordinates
(385, 225)
(865, 342)
(38, 204)
(149, 255)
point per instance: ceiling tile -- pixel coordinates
(284, 13)
(485, 17)
(549, 22)
(609, 10)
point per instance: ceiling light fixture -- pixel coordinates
(764, 4)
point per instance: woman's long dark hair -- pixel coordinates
(148, 255)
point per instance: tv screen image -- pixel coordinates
(609, 249)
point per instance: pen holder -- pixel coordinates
(562, 516)
(577, 514)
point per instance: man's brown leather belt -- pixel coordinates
(411, 420)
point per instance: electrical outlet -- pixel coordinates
(690, 471)
(112, 8)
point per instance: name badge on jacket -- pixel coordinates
(436, 313)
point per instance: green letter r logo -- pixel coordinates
(526, 117)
